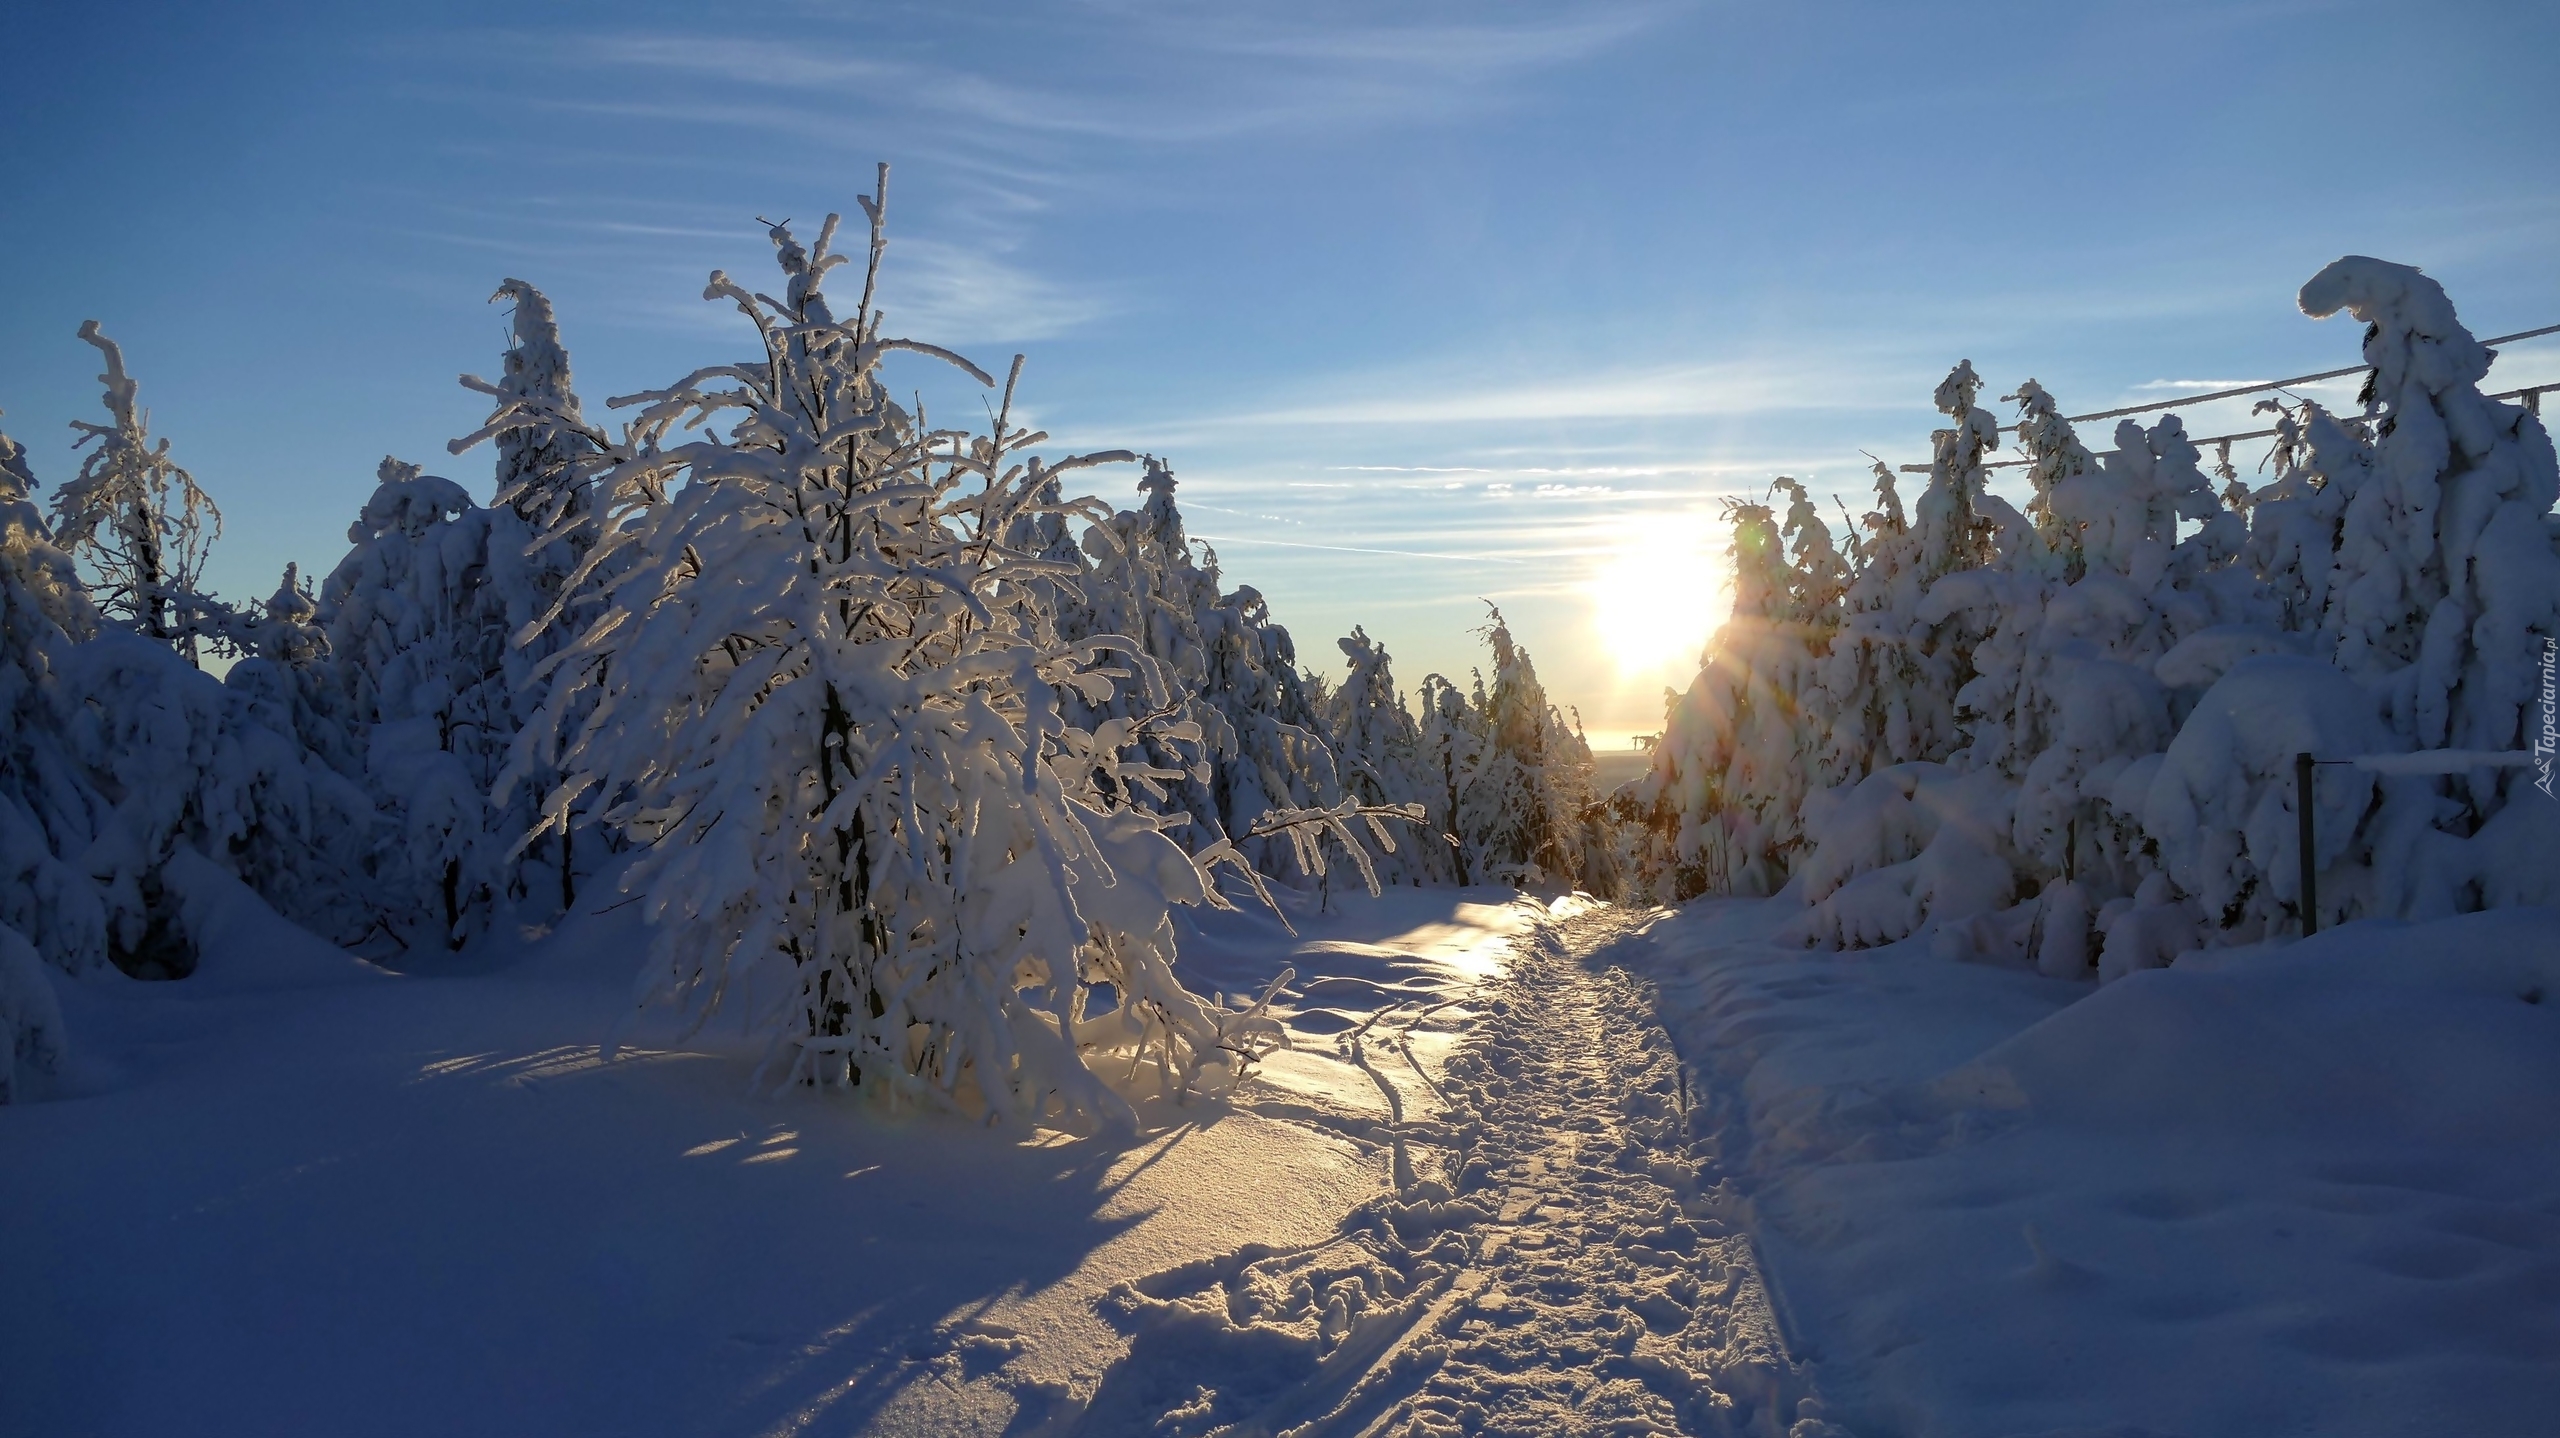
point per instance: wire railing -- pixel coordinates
(2531, 395)
(2424, 761)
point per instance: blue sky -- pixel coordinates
(1424, 303)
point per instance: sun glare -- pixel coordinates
(1656, 599)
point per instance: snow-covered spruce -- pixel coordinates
(49, 908)
(547, 453)
(824, 705)
(1891, 676)
(2416, 573)
(1133, 575)
(1721, 806)
(1526, 811)
(1261, 742)
(1454, 743)
(1280, 760)
(2067, 736)
(419, 616)
(1379, 753)
(436, 624)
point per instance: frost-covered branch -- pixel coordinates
(138, 518)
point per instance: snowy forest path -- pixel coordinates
(1552, 1262)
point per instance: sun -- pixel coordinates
(1657, 598)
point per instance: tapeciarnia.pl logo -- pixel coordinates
(2548, 740)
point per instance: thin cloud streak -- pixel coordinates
(1334, 74)
(1673, 392)
(971, 295)
(1476, 558)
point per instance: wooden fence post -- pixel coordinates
(2310, 863)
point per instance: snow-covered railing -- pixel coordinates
(2184, 400)
(2531, 395)
(2437, 761)
(2422, 762)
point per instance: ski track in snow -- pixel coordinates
(1553, 1262)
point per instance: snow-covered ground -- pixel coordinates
(295, 1194)
(1550, 1265)
(1530, 1169)
(2306, 1188)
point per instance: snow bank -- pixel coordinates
(31, 1041)
(2311, 1188)
(243, 943)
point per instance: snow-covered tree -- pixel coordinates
(312, 825)
(2409, 584)
(419, 615)
(828, 715)
(49, 807)
(544, 441)
(1892, 675)
(140, 520)
(2151, 650)
(1739, 750)
(1279, 759)
(1379, 749)
(546, 452)
(1524, 810)
(1955, 517)
(1133, 576)
(2421, 563)
(43, 588)
(1262, 742)
(1454, 744)
(118, 753)
(2444, 578)
(1890, 700)
(2055, 457)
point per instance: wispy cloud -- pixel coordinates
(1016, 117)
(968, 294)
(1409, 468)
(1755, 386)
(1478, 557)
(1212, 73)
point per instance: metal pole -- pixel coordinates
(2310, 864)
